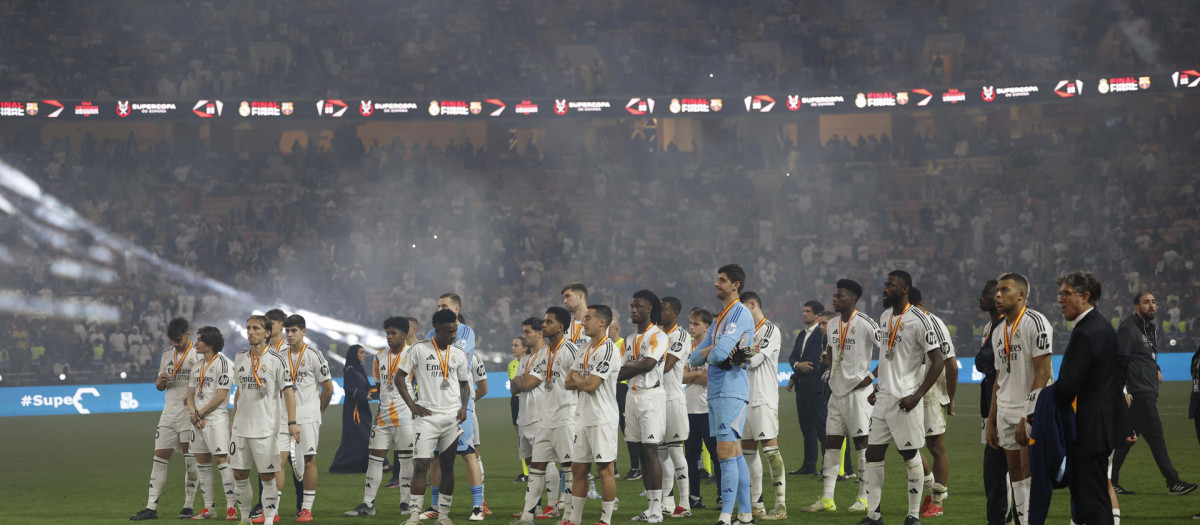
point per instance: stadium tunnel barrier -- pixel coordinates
(143, 397)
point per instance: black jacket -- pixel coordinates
(811, 352)
(1194, 403)
(1137, 347)
(1090, 376)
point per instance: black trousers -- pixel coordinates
(811, 411)
(1088, 474)
(995, 485)
(698, 436)
(1143, 413)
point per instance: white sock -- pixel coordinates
(668, 478)
(158, 479)
(754, 463)
(778, 473)
(927, 486)
(205, 473)
(245, 497)
(1021, 498)
(873, 473)
(939, 493)
(682, 484)
(860, 469)
(1116, 516)
(445, 501)
(833, 463)
(606, 508)
(191, 478)
(915, 481)
(406, 474)
(227, 483)
(655, 499)
(373, 479)
(307, 501)
(533, 491)
(482, 474)
(415, 502)
(725, 517)
(553, 484)
(567, 479)
(745, 517)
(577, 503)
(270, 500)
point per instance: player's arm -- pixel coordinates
(289, 400)
(721, 348)
(481, 388)
(402, 386)
(326, 393)
(236, 397)
(1043, 372)
(990, 433)
(589, 384)
(700, 354)
(189, 401)
(464, 393)
(634, 368)
(219, 399)
(669, 362)
(951, 381)
(572, 380)
(525, 382)
(163, 376)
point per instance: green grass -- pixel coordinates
(95, 469)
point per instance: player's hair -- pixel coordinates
(827, 314)
(400, 323)
(211, 337)
(1081, 281)
(703, 314)
(575, 287)
(903, 276)
(746, 297)
(816, 306)
(560, 314)
(412, 321)
(453, 297)
(734, 273)
(295, 320)
(176, 328)
(851, 286)
(603, 311)
(534, 323)
(1016, 278)
(262, 320)
(655, 304)
(1137, 297)
(914, 295)
(276, 314)
(673, 302)
(442, 317)
(991, 283)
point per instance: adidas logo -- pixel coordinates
(651, 436)
(913, 491)
(597, 456)
(218, 450)
(760, 434)
(430, 356)
(310, 449)
(272, 507)
(722, 427)
(368, 484)
(908, 443)
(778, 484)
(271, 467)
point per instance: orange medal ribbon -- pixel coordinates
(179, 364)
(842, 333)
(1009, 330)
(893, 331)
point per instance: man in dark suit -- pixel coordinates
(1090, 377)
(1194, 402)
(995, 463)
(806, 380)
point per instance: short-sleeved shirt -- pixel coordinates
(209, 376)
(308, 370)
(576, 335)
(851, 343)
(939, 392)
(464, 339)
(679, 344)
(530, 401)
(1031, 337)
(437, 372)
(906, 339)
(177, 365)
(696, 396)
(651, 344)
(558, 403)
(260, 380)
(393, 411)
(599, 408)
(764, 371)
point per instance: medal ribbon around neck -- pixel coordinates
(204, 368)
(842, 333)
(179, 364)
(894, 331)
(295, 365)
(588, 355)
(443, 363)
(1009, 330)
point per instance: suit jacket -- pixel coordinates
(1090, 376)
(809, 383)
(1194, 403)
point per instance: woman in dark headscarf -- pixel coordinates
(356, 415)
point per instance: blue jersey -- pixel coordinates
(734, 329)
(464, 339)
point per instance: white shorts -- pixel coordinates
(554, 444)
(596, 444)
(678, 427)
(889, 424)
(1006, 427)
(475, 427)
(171, 437)
(526, 435)
(645, 416)
(849, 415)
(212, 439)
(391, 438)
(283, 442)
(310, 437)
(260, 453)
(762, 423)
(935, 417)
(438, 431)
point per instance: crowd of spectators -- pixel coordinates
(315, 48)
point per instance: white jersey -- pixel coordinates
(852, 344)
(437, 372)
(478, 373)
(308, 370)
(575, 334)
(558, 404)
(679, 344)
(939, 392)
(1030, 338)
(651, 344)
(209, 376)
(393, 411)
(907, 339)
(696, 396)
(530, 401)
(261, 380)
(764, 366)
(599, 408)
(177, 365)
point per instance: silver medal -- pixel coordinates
(446, 384)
